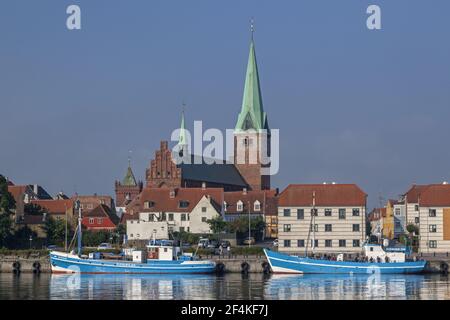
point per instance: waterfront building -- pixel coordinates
(175, 209)
(323, 218)
(22, 194)
(434, 218)
(388, 220)
(100, 218)
(253, 203)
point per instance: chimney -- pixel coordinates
(203, 185)
(244, 191)
(172, 193)
(445, 182)
(35, 188)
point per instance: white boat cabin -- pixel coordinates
(377, 252)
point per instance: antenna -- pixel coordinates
(252, 27)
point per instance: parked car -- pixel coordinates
(203, 243)
(275, 243)
(213, 244)
(249, 240)
(104, 246)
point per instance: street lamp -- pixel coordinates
(31, 239)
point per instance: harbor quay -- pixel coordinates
(244, 264)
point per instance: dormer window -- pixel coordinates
(257, 206)
(239, 206)
(149, 204)
(183, 204)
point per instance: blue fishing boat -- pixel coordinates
(377, 260)
(159, 257)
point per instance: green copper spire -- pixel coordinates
(129, 179)
(252, 115)
(182, 139)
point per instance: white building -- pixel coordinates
(173, 210)
(322, 218)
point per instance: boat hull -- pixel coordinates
(67, 263)
(283, 263)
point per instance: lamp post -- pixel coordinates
(31, 239)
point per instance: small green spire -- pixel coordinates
(182, 139)
(129, 180)
(252, 115)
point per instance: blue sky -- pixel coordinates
(352, 105)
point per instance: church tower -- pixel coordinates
(128, 188)
(252, 134)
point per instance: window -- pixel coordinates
(184, 204)
(342, 243)
(314, 243)
(416, 220)
(300, 243)
(328, 243)
(256, 206)
(356, 228)
(287, 212)
(149, 204)
(416, 207)
(90, 206)
(163, 217)
(170, 216)
(356, 243)
(355, 212)
(432, 213)
(183, 217)
(225, 205)
(314, 212)
(397, 211)
(100, 220)
(300, 214)
(203, 209)
(432, 244)
(181, 229)
(327, 212)
(286, 227)
(204, 219)
(432, 228)
(314, 227)
(91, 220)
(188, 229)
(341, 213)
(287, 243)
(239, 206)
(131, 235)
(328, 228)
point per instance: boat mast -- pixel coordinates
(79, 227)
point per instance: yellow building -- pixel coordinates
(388, 220)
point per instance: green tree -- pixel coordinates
(22, 237)
(55, 231)
(412, 228)
(94, 238)
(217, 224)
(7, 204)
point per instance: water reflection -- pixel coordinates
(231, 286)
(357, 287)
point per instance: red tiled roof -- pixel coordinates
(412, 195)
(267, 199)
(437, 195)
(376, 214)
(162, 202)
(17, 191)
(54, 206)
(102, 211)
(325, 195)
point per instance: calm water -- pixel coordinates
(232, 286)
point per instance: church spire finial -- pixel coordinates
(252, 27)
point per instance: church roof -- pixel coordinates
(220, 173)
(252, 115)
(129, 179)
